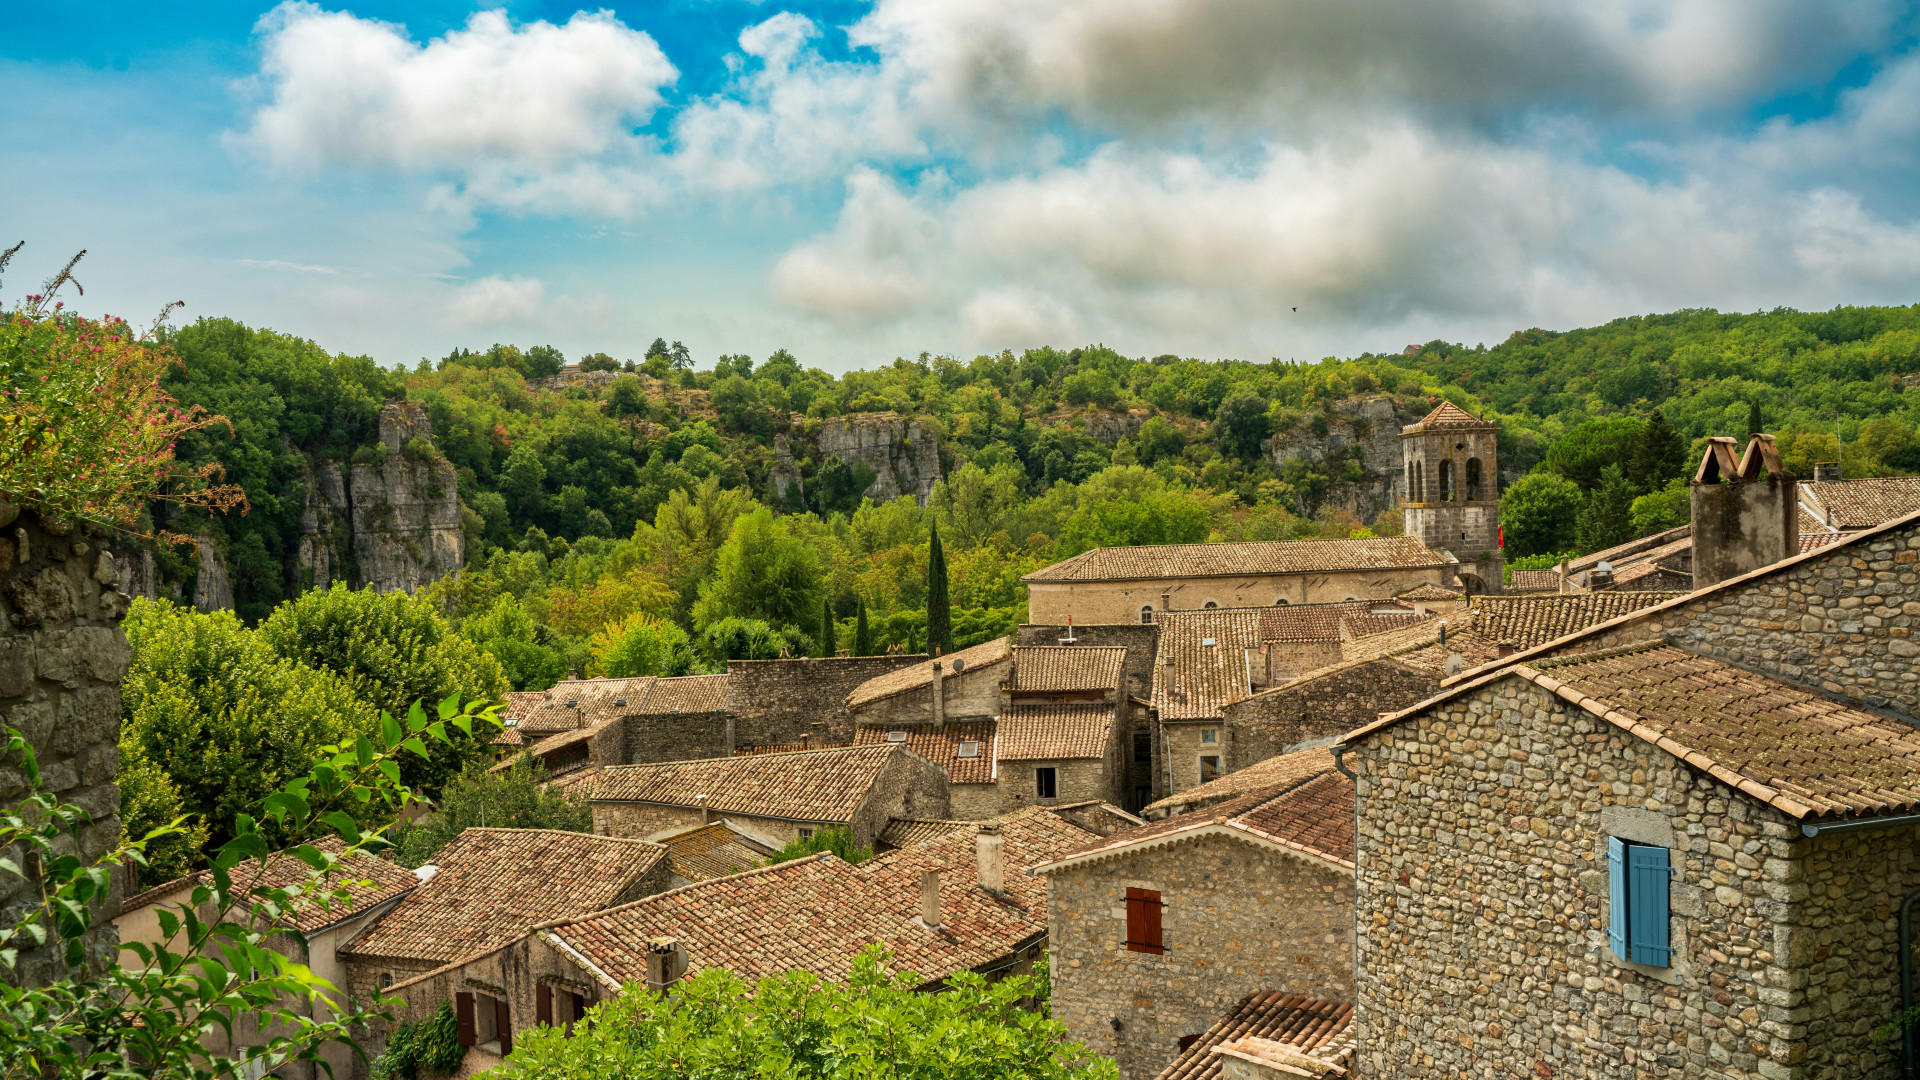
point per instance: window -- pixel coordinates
(967, 748)
(1282, 602)
(806, 833)
(1446, 481)
(1637, 879)
(1044, 783)
(1143, 922)
(1208, 606)
(1142, 796)
(1209, 768)
(579, 1010)
(1473, 479)
(1146, 613)
(483, 1021)
(1209, 735)
(896, 736)
(1143, 747)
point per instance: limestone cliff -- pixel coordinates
(903, 455)
(1362, 429)
(404, 513)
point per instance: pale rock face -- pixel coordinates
(904, 455)
(404, 515)
(325, 513)
(212, 589)
(1371, 423)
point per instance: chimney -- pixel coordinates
(706, 815)
(1826, 472)
(1601, 576)
(1443, 633)
(939, 699)
(990, 849)
(1740, 521)
(666, 962)
(930, 898)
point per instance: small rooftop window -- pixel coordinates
(1208, 642)
(896, 736)
(620, 702)
(571, 702)
(511, 721)
(967, 748)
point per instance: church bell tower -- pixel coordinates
(1452, 492)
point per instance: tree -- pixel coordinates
(1754, 425)
(510, 633)
(875, 1024)
(641, 644)
(1606, 519)
(750, 639)
(862, 635)
(391, 648)
(838, 842)
(599, 362)
(1591, 447)
(1668, 508)
(761, 572)
(516, 797)
(939, 611)
(544, 362)
(828, 639)
(658, 348)
(1538, 513)
(1659, 455)
(1242, 421)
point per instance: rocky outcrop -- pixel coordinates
(1370, 425)
(1111, 427)
(404, 513)
(323, 528)
(903, 455)
(212, 588)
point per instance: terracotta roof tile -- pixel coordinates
(1240, 559)
(610, 700)
(1313, 816)
(906, 832)
(1814, 541)
(385, 881)
(943, 747)
(1321, 1028)
(812, 785)
(816, 915)
(916, 676)
(1067, 668)
(1429, 591)
(1279, 771)
(711, 851)
(1193, 679)
(495, 884)
(1535, 581)
(581, 782)
(1377, 622)
(551, 743)
(1863, 504)
(688, 694)
(1810, 525)
(1527, 621)
(1039, 732)
(520, 702)
(1449, 415)
(1811, 755)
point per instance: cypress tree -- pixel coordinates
(939, 611)
(1659, 455)
(827, 636)
(1607, 517)
(862, 636)
(1753, 418)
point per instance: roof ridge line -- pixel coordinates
(742, 757)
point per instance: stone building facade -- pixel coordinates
(1452, 491)
(62, 656)
(1322, 706)
(778, 702)
(1253, 894)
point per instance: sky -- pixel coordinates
(856, 181)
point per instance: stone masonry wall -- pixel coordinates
(774, 702)
(1075, 780)
(1238, 918)
(1482, 904)
(908, 786)
(1182, 746)
(1843, 621)
(1141, 640)
(62, 656)
(972, 694)
(1324, 707)
(653, 737)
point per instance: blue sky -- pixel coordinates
(856, 181)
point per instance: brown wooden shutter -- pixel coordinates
(1143, 922)
(463, 1012)
(579, 1010)
(543, 1005)
(503, 1023)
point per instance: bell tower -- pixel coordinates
(1451, 492)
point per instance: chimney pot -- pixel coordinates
(990, 849)
(666, 962)
(706, 814)
(930, 898)
(1826, 472)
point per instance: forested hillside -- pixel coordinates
(645, 513)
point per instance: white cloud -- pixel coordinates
(498, 301)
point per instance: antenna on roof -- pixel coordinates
(1069, 639)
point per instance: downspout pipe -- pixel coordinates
(1908, 1038)
(1339, 749)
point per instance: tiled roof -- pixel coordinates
(1806, 754)
(943, 747)
(1535, 581)
(690, 693)
(1810, 525)
(580, 782)
(551, 743)
(1240, 559)
(1376, 622)
(1650, 575)
(1279, 771)
(495, 884)
(1192, 679)
(812, 785)
(556, 714)
(1067, 668)
(1527, 621)
(712, 851)
(1038, 732)
(520, 702)
(1429, 591)
(508, 737)
(1814, 541)
(1621, 554)
(385, 881)
(1449, 415)
(1323, 1029)
(1863, 504)
(906, 832)
(816, 915)
(916, 676)
(1311, 817)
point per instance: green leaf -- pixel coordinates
(363, 750)
(449, 705)
(414, 744)
(416, 716)
(390, 733)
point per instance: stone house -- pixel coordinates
(957, 902)
(777, 798)
(966, 750)
(787, 702)
(1136, 728)
(1271, 1035)
(488, 887)
(963, 685)
(1137, 584)
(374, 887)
(705, 852)
(1053, 754)
(1673, 842)
(1159, 929)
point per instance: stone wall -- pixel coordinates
(973, 802)
(62, 656)
(1324, 707)
(644, 821)
(1182, 745)
(1141, 640)
(973, 694)
(908, 786)
(1237, 918)
(775, 702)
(651, 737)
(1288, 659)
(1120, 601)
(1075, 780)
(1482, 903)
(1842, 620)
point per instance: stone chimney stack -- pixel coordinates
(930, 898)
(666, 962)
(991, 851)
(1740, 521)
(1826, 472)
(706, 815)
(939, 699)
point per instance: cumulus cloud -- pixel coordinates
(498, 301)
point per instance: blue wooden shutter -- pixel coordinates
(1617, 896)
(1647, 879)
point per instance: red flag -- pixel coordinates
(1501, 531)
